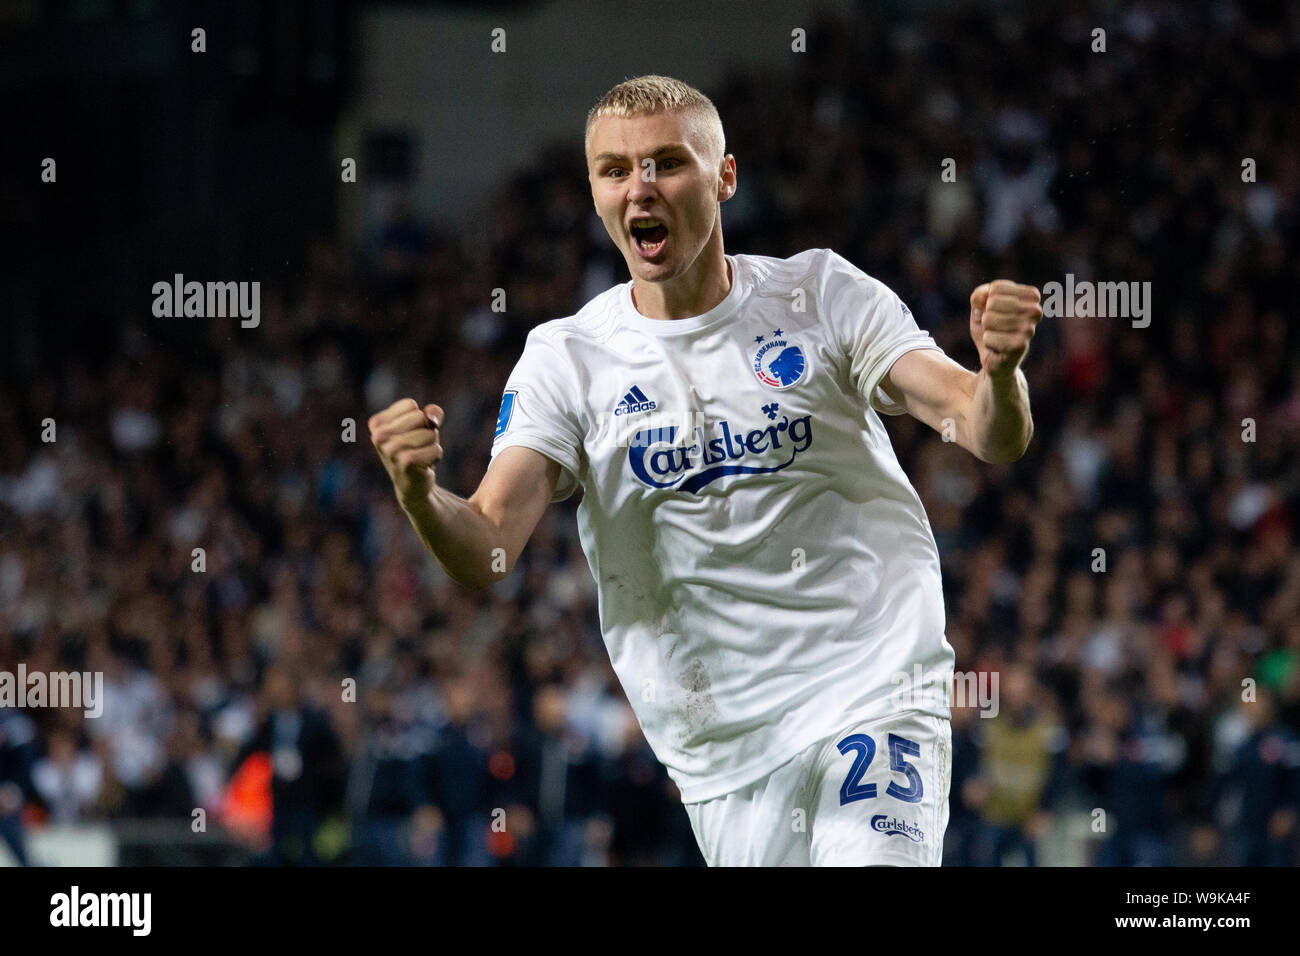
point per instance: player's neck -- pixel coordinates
(693, 293)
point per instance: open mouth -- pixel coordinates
(649, 235)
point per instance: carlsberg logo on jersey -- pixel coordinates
(892, 826)
(717, 449)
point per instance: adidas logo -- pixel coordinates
(633, 402)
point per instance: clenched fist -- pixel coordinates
(1003, 317)
(406, 437)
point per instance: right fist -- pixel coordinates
(406, 437)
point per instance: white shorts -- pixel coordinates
(874, 794)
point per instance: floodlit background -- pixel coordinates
(1148, 713)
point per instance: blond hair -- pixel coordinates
(663, 94)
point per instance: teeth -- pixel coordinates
(645, 223)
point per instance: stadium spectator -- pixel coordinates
(307, 767)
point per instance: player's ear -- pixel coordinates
(727, 174)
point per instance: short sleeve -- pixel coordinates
(872, 327)
(538, 410)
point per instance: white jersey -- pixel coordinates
(766, 572)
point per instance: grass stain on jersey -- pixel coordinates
(698, 709)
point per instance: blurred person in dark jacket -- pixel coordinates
(558, 778)
(1131, 754)
(1256, 797)
(306, 762)
(453, 820)
(649, 824)
(384, 785)
(172, 789)
(17, 757)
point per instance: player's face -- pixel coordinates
(678, 189)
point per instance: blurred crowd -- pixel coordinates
(212, 530)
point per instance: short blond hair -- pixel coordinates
(652, 93)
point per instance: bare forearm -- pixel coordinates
(464, 542)
(476, 540)
(985, 412)
(1000, 423)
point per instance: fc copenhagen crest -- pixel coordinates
(777, 363)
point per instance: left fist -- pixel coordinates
(1003, 317)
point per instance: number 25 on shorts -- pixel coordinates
(900, 748)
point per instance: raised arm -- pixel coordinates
(989, 410)
(476, 540)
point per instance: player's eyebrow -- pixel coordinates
(656, 152)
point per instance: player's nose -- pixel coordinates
(640, 189)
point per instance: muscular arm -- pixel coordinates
(464, 533)
(990, 416)
(477, 539)
(989, 409)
